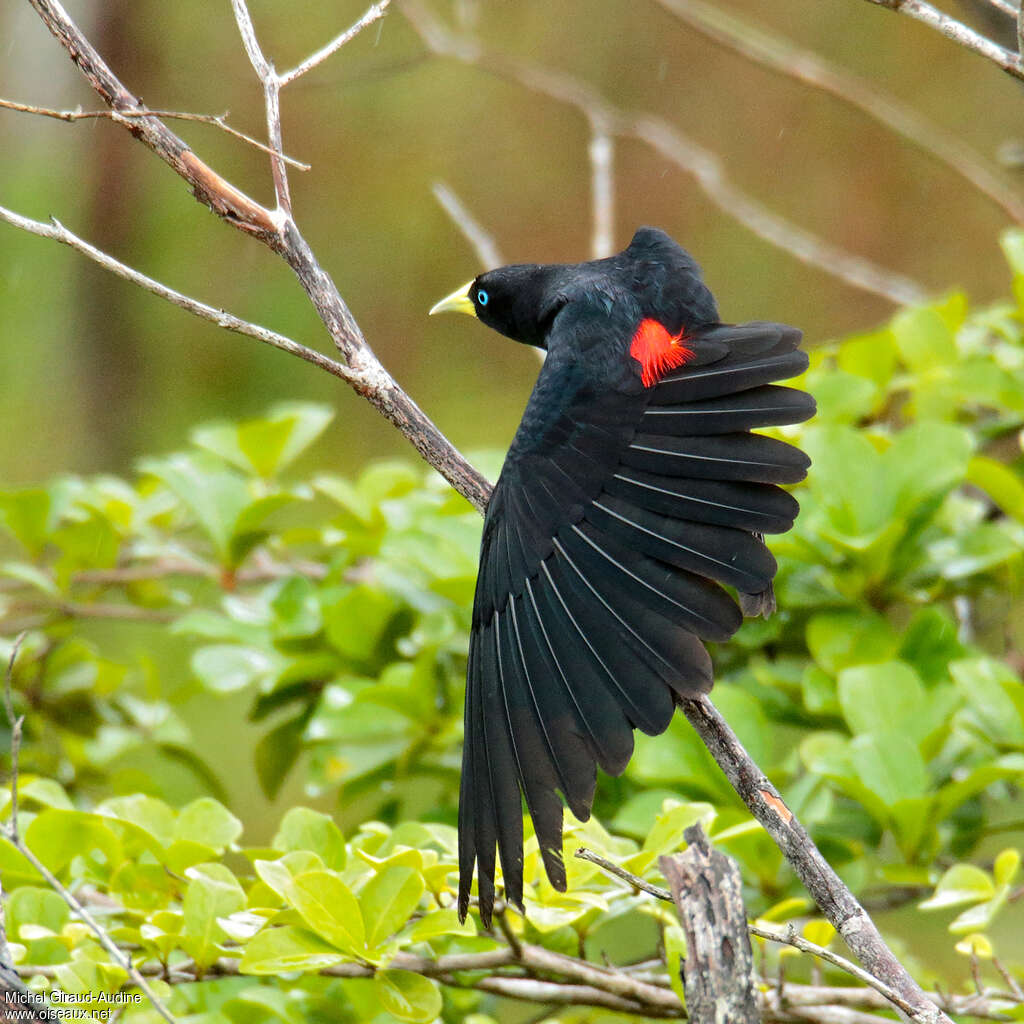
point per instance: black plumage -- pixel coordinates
(632, 494)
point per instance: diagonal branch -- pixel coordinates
(58, 233)
(786, 58)
(704, 166)
(960, 33)
(374, 13)
(479, 238)
(276, 229)
(219, 120)
(828, 890)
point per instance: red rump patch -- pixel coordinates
(657, 351)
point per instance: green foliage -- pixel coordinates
(884, 698)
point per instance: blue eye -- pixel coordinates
(482, 297)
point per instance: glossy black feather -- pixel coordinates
(619, 512)
(719, 457)
(758, 508)
(764, 406)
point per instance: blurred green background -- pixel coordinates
(95, 372)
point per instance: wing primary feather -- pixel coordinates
(502, 767)
(608, 731)
(761, 508)
(483, 809)
(644, 571)
(556, 722)
(766, 406)
(635, 713)
(537, 771)
(751, 457)
(722, 553)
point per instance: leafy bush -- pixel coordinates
(884, 699)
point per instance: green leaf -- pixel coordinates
(872, 356)
(266, 446)
(248, 528)
(924, 339)
(442, 921)
(226, 668)
(329, 908)
(675, 954)
(275, 875)
(842, 397)
(992, 695)
(408, 996)
(276, 951)
(388, 901)
(667, 834)
(883, 696)
(305, 829)
(207, 821)
(26, 514)
(1006, 866)
(33, 905)
(296, 608)
(214, 496)
(278, 750)
(356, 620)
(57, 836)
(839, 639)
(889, 765)
(148, 813)
(926, 459)
(976, 944)
(1000, 483)
(212, 892)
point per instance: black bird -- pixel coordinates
(632, 492)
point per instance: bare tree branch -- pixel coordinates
(704, 166)
(786, 58)
(1004, 7)
(11, 832)
(602, 189)
(960, 33)
(219, 120)
(277, 230)
(481, 240)
(58, 233)
(374, 13)
(827, 889)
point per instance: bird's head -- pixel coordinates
(518, 301)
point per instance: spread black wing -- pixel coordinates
(616, 520)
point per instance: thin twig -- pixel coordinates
(16, 723)
(58, 233)
(374, 13)
(272, 101)
(960, 33)
(704, 166)
(118, 956)
(481, 240)
(1004, 7)
(789, 937)
(786, 58)
(627, 876)
(602, 189)
(215, 119)
(11, 833)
